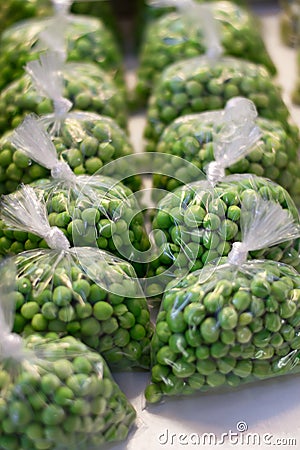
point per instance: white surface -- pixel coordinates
(270, 409)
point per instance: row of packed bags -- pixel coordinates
(187, 31)
(55, 392)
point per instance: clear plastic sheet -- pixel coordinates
(180, 35)
(199, 84)
(55, 393)
(274, 156)
(235, 321)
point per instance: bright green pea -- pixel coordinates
(260, 288)
(228, 318)
(210, 330)
(52, 415)
(183, 369)
(102, 310)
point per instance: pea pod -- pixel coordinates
(176, 36)
(275, 156)
(86, 39)
(195, 85)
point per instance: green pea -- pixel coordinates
(62, 296)
(102, 310)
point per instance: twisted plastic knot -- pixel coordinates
(61, 107)
(238, 254)
(62, 171)
(56, 239)
(215, 172)
(11, 346)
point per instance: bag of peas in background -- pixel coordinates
(91, 210)
(192, 137)
(236, 320)
(206, 83)
(55, 393)
(85, 85)
(84, 292)
(77, 38)
(181, 35)
(86, 141)
(15, 10)
(200, 221)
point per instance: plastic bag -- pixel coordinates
(87, 87)
(235, 321)
(55, 393)
(83, 291)
(78, 38)
(192, 137)
(86, 141)
(289, 22)
(91, 211)
(181, 35)
(199, 84)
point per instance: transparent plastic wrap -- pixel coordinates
(200, 221)
(55, 393)
(78, 38)
(91, 211)
(181, 35)
(86, 141)
(13, 11)
(192, 137)
(235, 321)
(203, 84)
(84, 292)
(87, 87)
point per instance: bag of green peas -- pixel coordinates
(193, 137)
(236, 320)
(77, 38)
(91, 210)
(81, 291)
(86, 141)
(203, 84)
(85, 85)
(55, 393)
(200, 221)
(181, 35)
